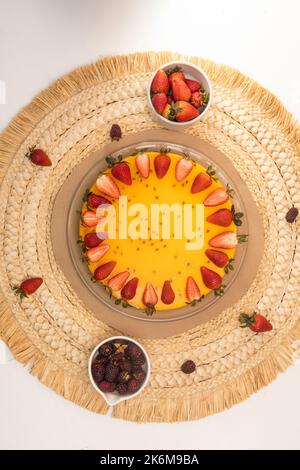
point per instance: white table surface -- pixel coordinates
(43, 39)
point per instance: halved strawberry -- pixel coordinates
(201, 182)
(94, 254)
(193, 85)
(224, 240)
(142, 163)
(106, 185)
(104, 270)
(91, 219)
(161, 164)
(217, 197)
(192, 290)
(167, 294)
(183, 168)
(121, 171)
(38, 157)
(94, 200)
(222, 217)
(150, 298)
(159, 101)
(196, 99)
(28, 287)
(129, 290)
(117, 282)
(211, 279)
(219, 258)
(91, 240)
(160, 82)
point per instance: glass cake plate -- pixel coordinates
(133, 321)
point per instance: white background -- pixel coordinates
(41, 40)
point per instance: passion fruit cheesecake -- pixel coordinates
(159, 230)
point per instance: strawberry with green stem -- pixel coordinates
(38, 157)
(183, 168)
(150, 298)
(192, 291)
(256, 322)
(227, 240)
(28, 287)
(95, 200)
(162, 162)
(119, 169)
(218, 196)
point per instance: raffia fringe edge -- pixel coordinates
(214, 401)
(42, 367)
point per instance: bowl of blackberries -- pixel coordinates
(119, 369)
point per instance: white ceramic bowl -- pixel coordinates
(114, 398)
(192, 72)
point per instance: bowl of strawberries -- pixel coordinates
(179, 94)
(119, 369)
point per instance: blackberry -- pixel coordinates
(106, 386)
(115, 132)
(116, 358)
(98, 371)
(188, 367)
(139, 361)
(106, 350)
(136, 368)
(140, 376)
(121, 388)
(133, 352)
(292, 214)
(133, 385)
(101, 359)
(123, 377)
(111, 373)
(125, 365)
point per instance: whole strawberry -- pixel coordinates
(28, 287)
(161, 164)
(129, 290)
(159, 101)
(121, 172)
(38, 157)
(256, 322)
(160, 83)
(94, 201)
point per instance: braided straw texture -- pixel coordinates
(53, 332)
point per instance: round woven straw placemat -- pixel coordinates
(53, 332)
